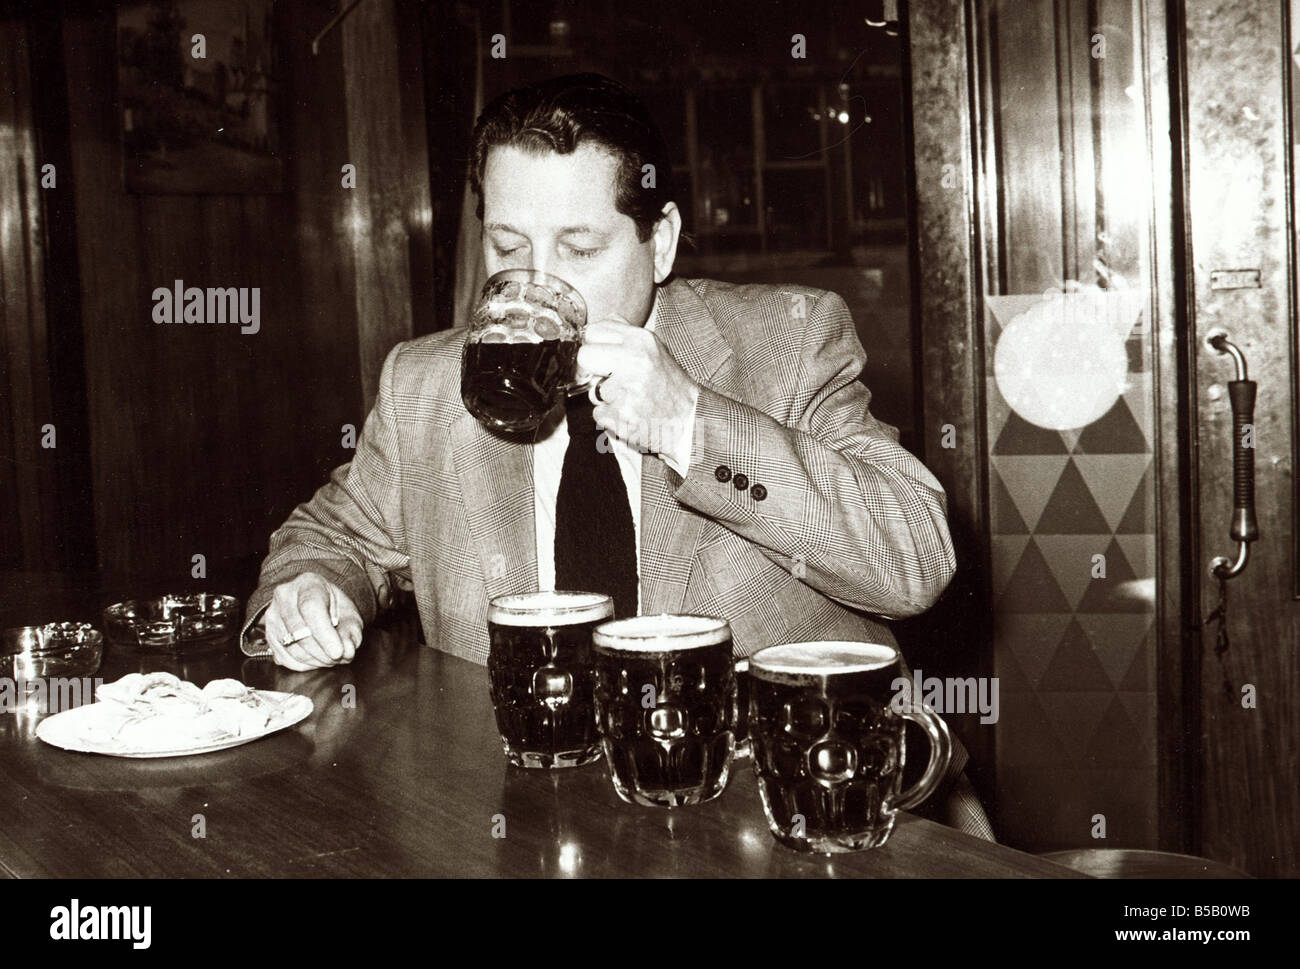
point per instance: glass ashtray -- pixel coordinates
(173, 622)
(54, 649)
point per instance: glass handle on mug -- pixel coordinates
(744, 748)
(583, 382)
(940, 754)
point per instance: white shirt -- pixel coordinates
(548, 462)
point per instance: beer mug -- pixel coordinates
(826, 724)
(540, 675)
(666, 706)
(521, 354)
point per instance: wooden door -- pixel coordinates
(1120, 168)
(1239, 133)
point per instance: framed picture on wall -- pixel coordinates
(197, 97)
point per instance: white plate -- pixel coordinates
(68, 730)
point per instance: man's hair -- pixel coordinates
(563, 113)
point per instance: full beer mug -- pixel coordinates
(540, 673)
(666, 705)
(521, 354)
(828, 743)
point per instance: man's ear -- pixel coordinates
(664, 238)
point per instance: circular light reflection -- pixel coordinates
(1062, 364)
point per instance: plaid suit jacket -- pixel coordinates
(853, 527)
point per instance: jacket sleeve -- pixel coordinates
(351, 531)
(846, 509)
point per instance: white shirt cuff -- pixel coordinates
(678, 453)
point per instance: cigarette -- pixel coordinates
(302, 632)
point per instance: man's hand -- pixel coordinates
(647, 400)
(303, 609)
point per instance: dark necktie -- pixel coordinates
(595, 545)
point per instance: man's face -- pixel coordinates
(556, 213)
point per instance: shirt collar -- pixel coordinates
(654, 312)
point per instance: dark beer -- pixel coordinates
(828, 745)
(521, 353)
(666, 704)
(540, 676)
(513, 386)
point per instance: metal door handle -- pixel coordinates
(1241, 394)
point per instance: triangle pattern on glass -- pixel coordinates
(1031, 587)
(1006, 517)
(1024, 734)
(1021, 437)
(1071, 509)
(1116, 637)
(1115, 432)
(1138, 677)
(1029, 479)
(1001, 310)
(1139, 517)
(1031, 638)
(1141, 709)
(1071, 437)
(1005, 553)
(996, 409)
(1135, 348)
(1118, 591)
(1075, 666)
(1074, 717)
(1139, 550)
(1117, 741)
(993, 328)
(1112, 479)
(1070, 559)
(1139, 398)
(1011, 678)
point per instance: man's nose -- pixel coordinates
(541, 264)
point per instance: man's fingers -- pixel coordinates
(291, 658)
(313, 605)
(598, 358)
(288, 598)
(274, 626)
(350, 634)
(611, 330)
(312, 624)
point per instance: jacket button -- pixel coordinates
(740, 481)
(722, 473)
(758, 492)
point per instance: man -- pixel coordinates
(758, 486)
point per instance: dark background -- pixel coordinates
(180, 440)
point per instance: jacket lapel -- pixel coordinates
(670, 532)
(496, 477)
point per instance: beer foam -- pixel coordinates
(549, 609)
(821, 659)
(517, 315)
(662, 632)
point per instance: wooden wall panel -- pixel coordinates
(382, 220)
(204, 438)
(28, 516)
(1024, 73)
